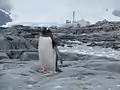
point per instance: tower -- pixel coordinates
(73, 18)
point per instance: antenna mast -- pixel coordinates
(73, 18)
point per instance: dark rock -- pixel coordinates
(115, 46)
(62, 45)
(15, 54)
(9, 38)
(69, 46)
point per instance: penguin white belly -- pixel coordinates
(47, 54)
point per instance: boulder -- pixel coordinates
(28, 56)
(3, 43)
(3, 55)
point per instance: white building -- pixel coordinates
(80, 23)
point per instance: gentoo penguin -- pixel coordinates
(47, 53)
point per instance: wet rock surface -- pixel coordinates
(27, 56)
(91, 59)
(86, 73)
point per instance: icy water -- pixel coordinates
(84, 68)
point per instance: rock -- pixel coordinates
(92, 44)
(69, 46)
(28, 56)
(34, 42)
(9, 38)
(3, 56)
(9, 42)
(15, 45)
(6, 64)
(69, 56)
(62, 45)
(19, 43)
(4, 45)
(116, 45)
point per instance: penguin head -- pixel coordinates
(46, 32)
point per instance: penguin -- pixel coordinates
(47, 52)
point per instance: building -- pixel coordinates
(75, 24)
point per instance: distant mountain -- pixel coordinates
(32, 24)
(4, 18)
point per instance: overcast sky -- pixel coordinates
(57, 11)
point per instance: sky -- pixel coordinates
(58, 11)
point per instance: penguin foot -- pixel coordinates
(43, 70)
(52, 73)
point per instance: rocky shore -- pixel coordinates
(90, 54)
